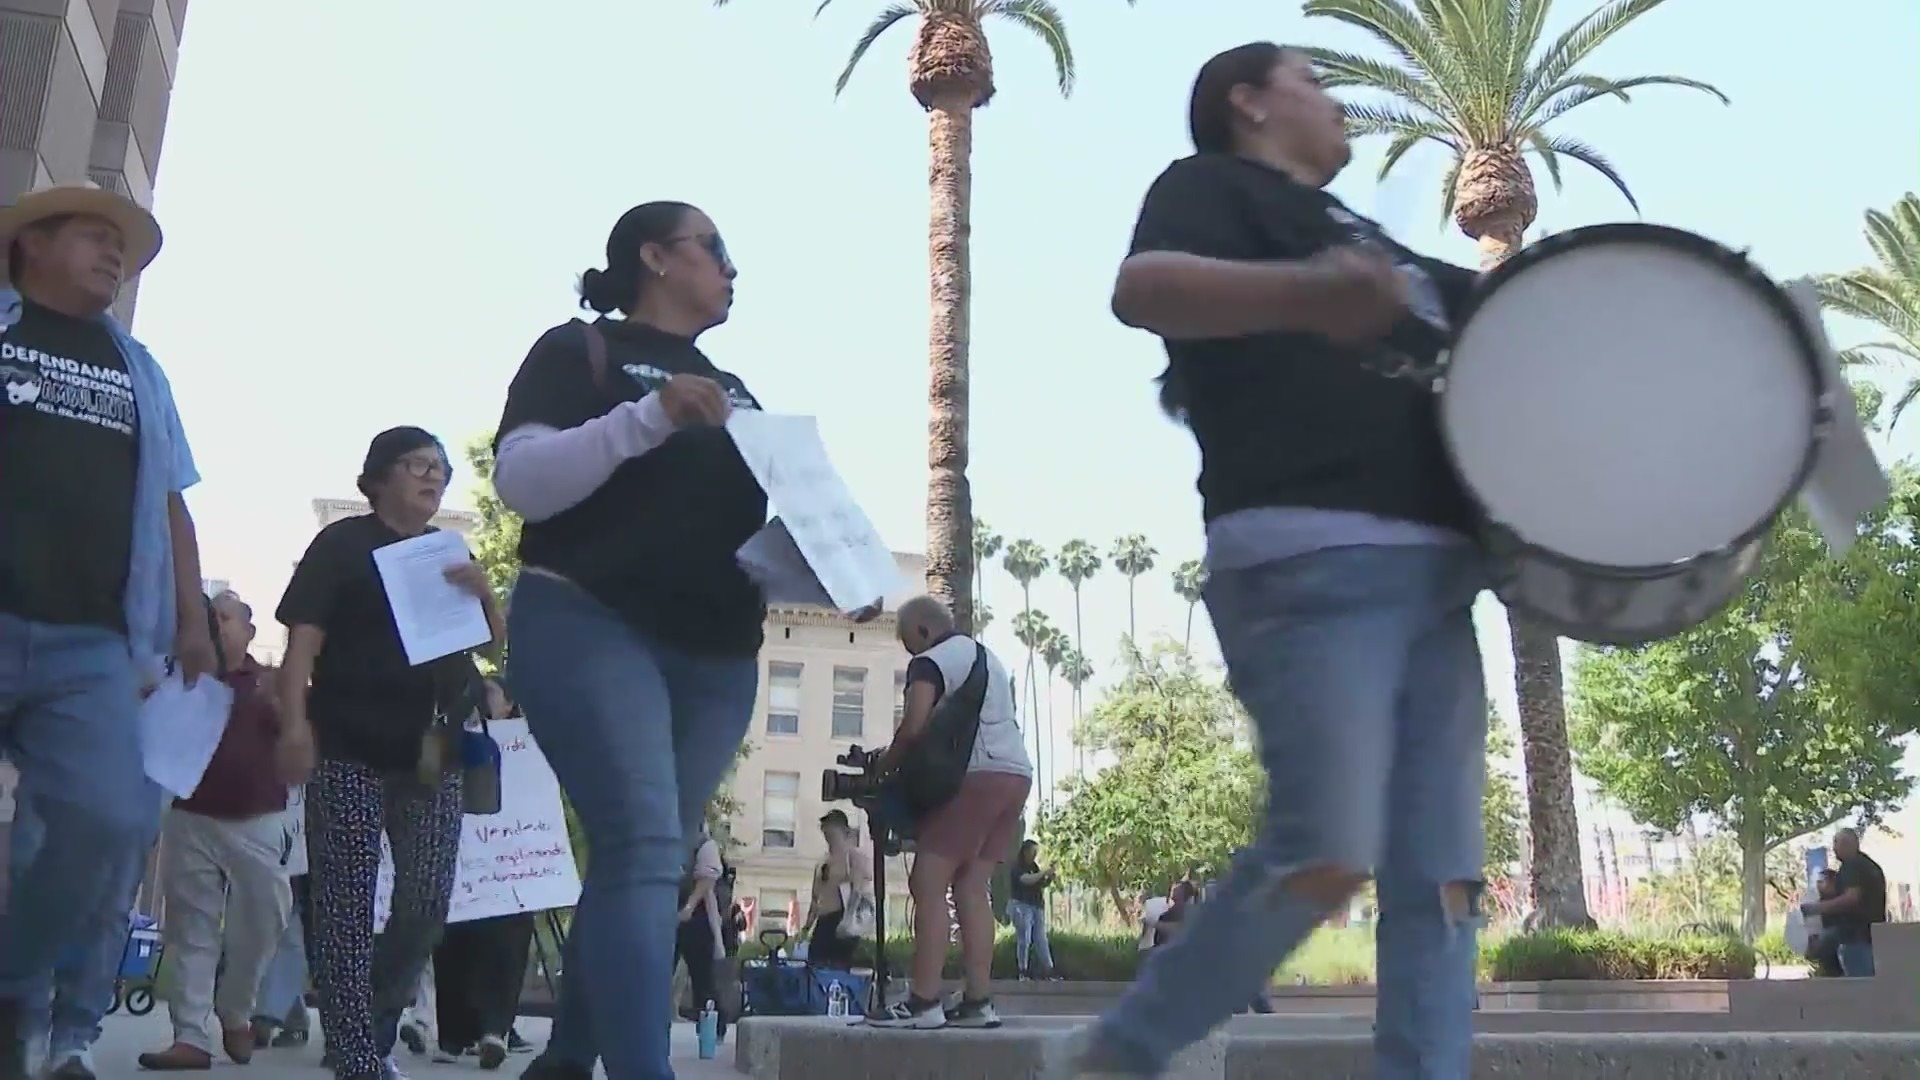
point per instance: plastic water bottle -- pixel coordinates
(709, 1032)
(836, 1000)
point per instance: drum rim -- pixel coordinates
(1771, 292)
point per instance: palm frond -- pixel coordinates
(1344, 69)
(1450, 189)
(881, 23)
(1576, 90)
(1047, 24)
(1406, 36)
(1588, 156)
(1895, 238)
(1906, 398)
(1543, 148)
(1407, 139)
(1873, 297)
(1392, 118)
(1579, 41)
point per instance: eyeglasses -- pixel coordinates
(714, 246)
(422, 468)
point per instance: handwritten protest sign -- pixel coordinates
(840, 544)
(517, 860)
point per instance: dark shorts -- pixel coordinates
(981, 823)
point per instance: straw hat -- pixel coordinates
(138, 229)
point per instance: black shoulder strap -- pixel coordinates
(596, 352)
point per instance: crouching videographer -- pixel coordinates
(962, 837)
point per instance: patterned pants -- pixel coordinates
(363, 986)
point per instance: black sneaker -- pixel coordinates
(548, 1067)
(13, 1043)
(911, 1013)
(973, 1014)
(516, 1044)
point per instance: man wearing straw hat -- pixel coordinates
(99, 571)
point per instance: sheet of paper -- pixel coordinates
(1847, 482)
(296, 829)
(773, 560)
(849, 559)
(434, 616)
(180, 728)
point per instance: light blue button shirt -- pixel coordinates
(165, 467)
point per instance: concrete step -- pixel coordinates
(1320, 1048)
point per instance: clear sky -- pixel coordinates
(373, 208)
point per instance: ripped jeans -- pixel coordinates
(1361, 672)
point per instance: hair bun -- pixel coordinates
(595, 291)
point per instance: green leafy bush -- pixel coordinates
(1605, 954)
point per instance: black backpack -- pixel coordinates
(936, 763)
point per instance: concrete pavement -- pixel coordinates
(126, 1037)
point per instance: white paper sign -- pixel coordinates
(180, 728)
(296, 830)
(435, 617)
(849, 559)
(1847, 483)
(517, 860)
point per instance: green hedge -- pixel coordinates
(1345, 957)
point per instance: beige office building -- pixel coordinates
(84, 87)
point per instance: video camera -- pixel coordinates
(860, 787)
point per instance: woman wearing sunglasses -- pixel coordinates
(379, 723)
(635, 630)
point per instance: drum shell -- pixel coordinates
(1610, 606)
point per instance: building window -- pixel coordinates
(774, 905)
(849, 702)
(783, 698)
(899, 698)
(779, 809)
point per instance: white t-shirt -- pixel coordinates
(1150, 913)
(999, 747)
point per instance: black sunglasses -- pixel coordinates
(714, 246)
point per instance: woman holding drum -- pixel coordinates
(1342, 574)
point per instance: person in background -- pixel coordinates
(1152, 906)
(1823, 946)
(479, 968)
(1182, 899)
(1859, 901)
(99, 576)
(1027, 910)
(700, 942)
(389, 765)
(223, 865)
(843, 866)
(958, 846)
(280, 1007)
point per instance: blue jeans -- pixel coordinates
(1360, 669)
(640, 734)
(69, 705)
(1029, 934)
(285, 983)
(85, 984)
(1856, 959)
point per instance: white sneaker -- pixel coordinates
(1069, 1057)
(904, 1014)
(444, 1056)
(73, 1065)
(414, 1033)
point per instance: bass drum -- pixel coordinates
(1631, 406)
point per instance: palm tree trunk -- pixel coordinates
(950, 567)
(1132, 636)
(1080, 648)
(1187, 642)
(1557, 883)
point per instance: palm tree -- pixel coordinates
(1189, 580)
(950, 73)
(986, 544)
(1472, 76)
(982, 618)
(1053, 651)
(1888, 294)
(1076, 669)
(1034, 630)
(1132, 556)
(1077, 563)
(1025, 561)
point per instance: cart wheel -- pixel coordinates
(114, 1005)
(140, 1001)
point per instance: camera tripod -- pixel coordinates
(877, 831)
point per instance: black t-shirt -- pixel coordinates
(367, 703)
(656, 543)
(1033, 895)
(68, 457)
(1293, 419)
(1858, 871)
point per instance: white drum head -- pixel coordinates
(1629, 403)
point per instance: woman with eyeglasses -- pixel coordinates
(383, 729)
(635, 630)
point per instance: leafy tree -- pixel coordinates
(1132, 556)
(1190, 582)
(1888, 294)
(950, 74)
(1782, 714)
(1472, 76)
(1184, 792)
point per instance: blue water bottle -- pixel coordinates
(709, 1032)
